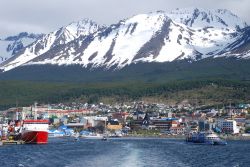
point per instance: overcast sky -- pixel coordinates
(47, 15)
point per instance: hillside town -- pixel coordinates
(134, 119)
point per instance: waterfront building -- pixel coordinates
(92, 121)
(228, 126)
(114, 124)
(204, 126)
(165, 123)
(159, 123)
(177, 130)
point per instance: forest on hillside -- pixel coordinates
(209, 92)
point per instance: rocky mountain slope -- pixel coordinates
(59, 37)
(13, 44)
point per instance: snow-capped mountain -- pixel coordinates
(13, 44)
(240, 48)
(191, 34)
(59, 37)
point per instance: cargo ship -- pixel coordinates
(34, 131)
(209, 138)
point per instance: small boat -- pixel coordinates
(76, 136)
(104, 138)
(209, 138)
(76, 139)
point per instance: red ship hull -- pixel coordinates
(35, 137)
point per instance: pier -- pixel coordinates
(11, 142)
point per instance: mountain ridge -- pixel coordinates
(191, 34)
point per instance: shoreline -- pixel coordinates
(235, 137)
(156, 136)
(183, 137)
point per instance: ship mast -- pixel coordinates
(16, 109)
(35, 110)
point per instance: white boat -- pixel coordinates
(205, 138)
(96, 136)
(90, 135)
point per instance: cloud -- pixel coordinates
(48, 15)
(12, 28)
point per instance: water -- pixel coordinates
(125, 153)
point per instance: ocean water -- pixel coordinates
(65, 152)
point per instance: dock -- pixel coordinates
(11, 142)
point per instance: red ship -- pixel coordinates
(35, 131)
